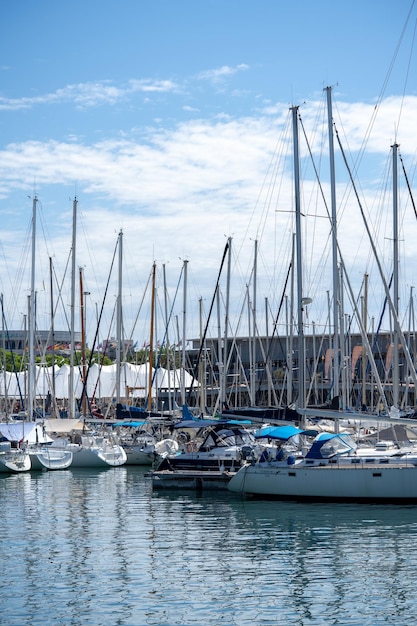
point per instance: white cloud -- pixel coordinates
(91, 94)
(178, 193)
(218, 74)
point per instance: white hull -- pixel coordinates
(84, 456)
(351, 479)
(145, 453)
(92, 452)
(50, 459)
(14, 461)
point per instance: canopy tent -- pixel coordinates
(101, 381)
(60, 426)
(30, 432)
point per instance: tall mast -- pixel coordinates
(184, 320)
(119, 320)
(32, 321)
(254, 324)
(202, 363)
(6, 400)
(300, 305)
(336, 366)
(224, 358)
(51, 283)
(83, 359)
(365, 328)
(395, 364)
(151, 340)
(168, 348)
(71, 398)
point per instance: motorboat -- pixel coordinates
(220, 446)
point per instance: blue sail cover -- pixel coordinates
(279, 432)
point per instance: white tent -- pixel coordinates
(101, 381)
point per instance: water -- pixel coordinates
(100, 548)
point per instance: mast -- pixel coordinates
(52, 332)
(151, 340)
(254, 322)
(300, 304)
(184, 319)
(202, 363)
(71, 398)
(365, 328)
(226, 324)
(290, 329)
(168, 348)
(6, 400)
(83, 359)
(119, 319)
(32, 321)
(336, 366)
(220, 364)
(395, 364)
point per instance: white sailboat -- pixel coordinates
(92, 451)
(332, 467)
(48, 458)
(13, 460)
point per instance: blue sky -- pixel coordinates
(163, 117)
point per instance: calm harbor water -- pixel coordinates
(82, 547)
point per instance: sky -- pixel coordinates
(170, 122)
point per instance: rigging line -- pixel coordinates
(317, 175)
(12, 354)
(364, 337)
(158, 360)
(195, 370)
(268, 354)
(141, 304)
(382, 276)
(408, 65)
(271, 167)
(408, 185)
(59, 298)
(382, 92)
(90, 360)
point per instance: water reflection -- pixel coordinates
(99, 547)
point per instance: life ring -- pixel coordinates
(183, 437)
(191, 446)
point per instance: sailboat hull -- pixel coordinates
(350, 481)
(14, 462)
(84, 456)
(50, 459)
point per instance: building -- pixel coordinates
(265, 371)
(16, 341)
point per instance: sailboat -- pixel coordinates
(87, 449)
(30, 439)
(13, 460)
(332, 466)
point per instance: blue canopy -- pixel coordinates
(131, 424)
(328, 445)
(280, 432)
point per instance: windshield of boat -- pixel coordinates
(326, 446)
(225, 438)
